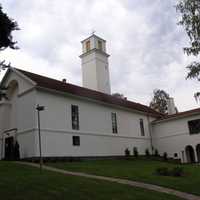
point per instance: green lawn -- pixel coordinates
(19, 182)
(139, 170)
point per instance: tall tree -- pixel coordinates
(7, 25)
(190, 19)
(159, 101)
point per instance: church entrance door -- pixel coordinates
(9, 148)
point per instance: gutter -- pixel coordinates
(176, 117)
(96, 101)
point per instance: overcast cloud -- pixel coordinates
(142, 36)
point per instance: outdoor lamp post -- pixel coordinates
(40, 108)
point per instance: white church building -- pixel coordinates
(88, 121)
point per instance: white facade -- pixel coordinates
(18, 119)
(95, 67)
(105, 128)
(96, 136)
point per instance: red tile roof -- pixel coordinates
(53, 84)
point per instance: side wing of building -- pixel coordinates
(179, 136)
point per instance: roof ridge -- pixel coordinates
(44, 81)
(179, 114)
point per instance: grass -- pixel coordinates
(18, 182)
(139, 170)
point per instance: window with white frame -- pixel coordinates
(194, 126)
(87, 44)
(76, 140)
(142, 127)
(75, 117)
(100, 45)
(114, 122)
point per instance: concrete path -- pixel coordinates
(147, 186)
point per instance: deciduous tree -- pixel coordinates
(159, 101)
(190, 19)
(7, 26)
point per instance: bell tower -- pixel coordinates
(94, 62)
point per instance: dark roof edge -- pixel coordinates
(88, 93)
(93, 100)
(92, 36)
(179, 115)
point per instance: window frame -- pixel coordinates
(75, 117)
(100, 45)
(114, 122)
(192, 130)
(142, 130)
(88, 45)
(76, 140)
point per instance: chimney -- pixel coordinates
(64, 80)
(171, 106)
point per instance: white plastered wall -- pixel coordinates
(18, 113)
(96, 137)
(173, 136)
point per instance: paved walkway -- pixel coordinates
(156, 188)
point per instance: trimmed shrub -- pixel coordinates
(147, 153)
(165, 156)
(10, 155)
(163, 171)
(16, 151)
(127, 152)
(156, 153)
(135, 151)
(177, 171)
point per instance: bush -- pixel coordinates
(163, 171)
(165, 156)
(156, 153)
(135, 151)
(16, 151)
(127, 152)
(147, 153)
(177, 171)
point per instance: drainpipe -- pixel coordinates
(150, 133)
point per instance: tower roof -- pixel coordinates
(93, 35)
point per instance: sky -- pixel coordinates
(143, 39)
